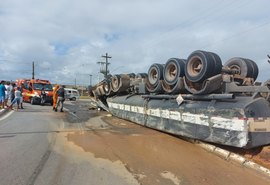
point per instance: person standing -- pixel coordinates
(61, 98)
(21, 99)
(42, 96)
(55, 96)
(7, 93)
(17, 99)
(12, 91)
(2, 94)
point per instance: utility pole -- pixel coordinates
(106, 64)
(33, 70)
(90, 79)
(75, 81)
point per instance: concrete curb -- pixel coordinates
(227, 155)
(3, 111)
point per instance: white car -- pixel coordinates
(72, 94)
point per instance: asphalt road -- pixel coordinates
(82, 146)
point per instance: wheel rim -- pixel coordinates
(106, 87)
(195, 67)
(236, 68)
(115, 82)
(153, 76)
(172, 69)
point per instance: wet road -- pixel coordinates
(82, 146)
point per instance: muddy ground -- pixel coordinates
(157, 158)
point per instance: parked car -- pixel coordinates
(72, 94)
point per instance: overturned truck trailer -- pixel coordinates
(197, 98)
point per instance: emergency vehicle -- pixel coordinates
(31, 90)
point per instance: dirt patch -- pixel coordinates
(260, 156)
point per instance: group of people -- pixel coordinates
(9, 92)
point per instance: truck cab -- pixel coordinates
(31, 90)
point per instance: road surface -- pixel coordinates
(81, 146)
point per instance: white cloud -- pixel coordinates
(66, 38)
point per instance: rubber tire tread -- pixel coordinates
(218, 63)
(255, 69)
(180, 65)
(208, 66)
(141, 75)
(159, 69)
(245, 66)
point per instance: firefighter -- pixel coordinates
(55, 96)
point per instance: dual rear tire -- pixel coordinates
(246, 68)
(202, 65)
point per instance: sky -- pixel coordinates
(66, 38)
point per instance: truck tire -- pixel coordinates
(120, 83)
(101, 90)
(218, 63)
(107, 87)
(115, 83)
(141, 75)
(200, 66)
(132, 75)
(96, 93)
(243, 66)
(174, 68)
(32, 101)
(155, 73)
(255, 69)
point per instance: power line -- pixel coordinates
(16, 62)
(189, 21)
(221, 12)
(209, 14)
(239, 33)
(16, 71)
